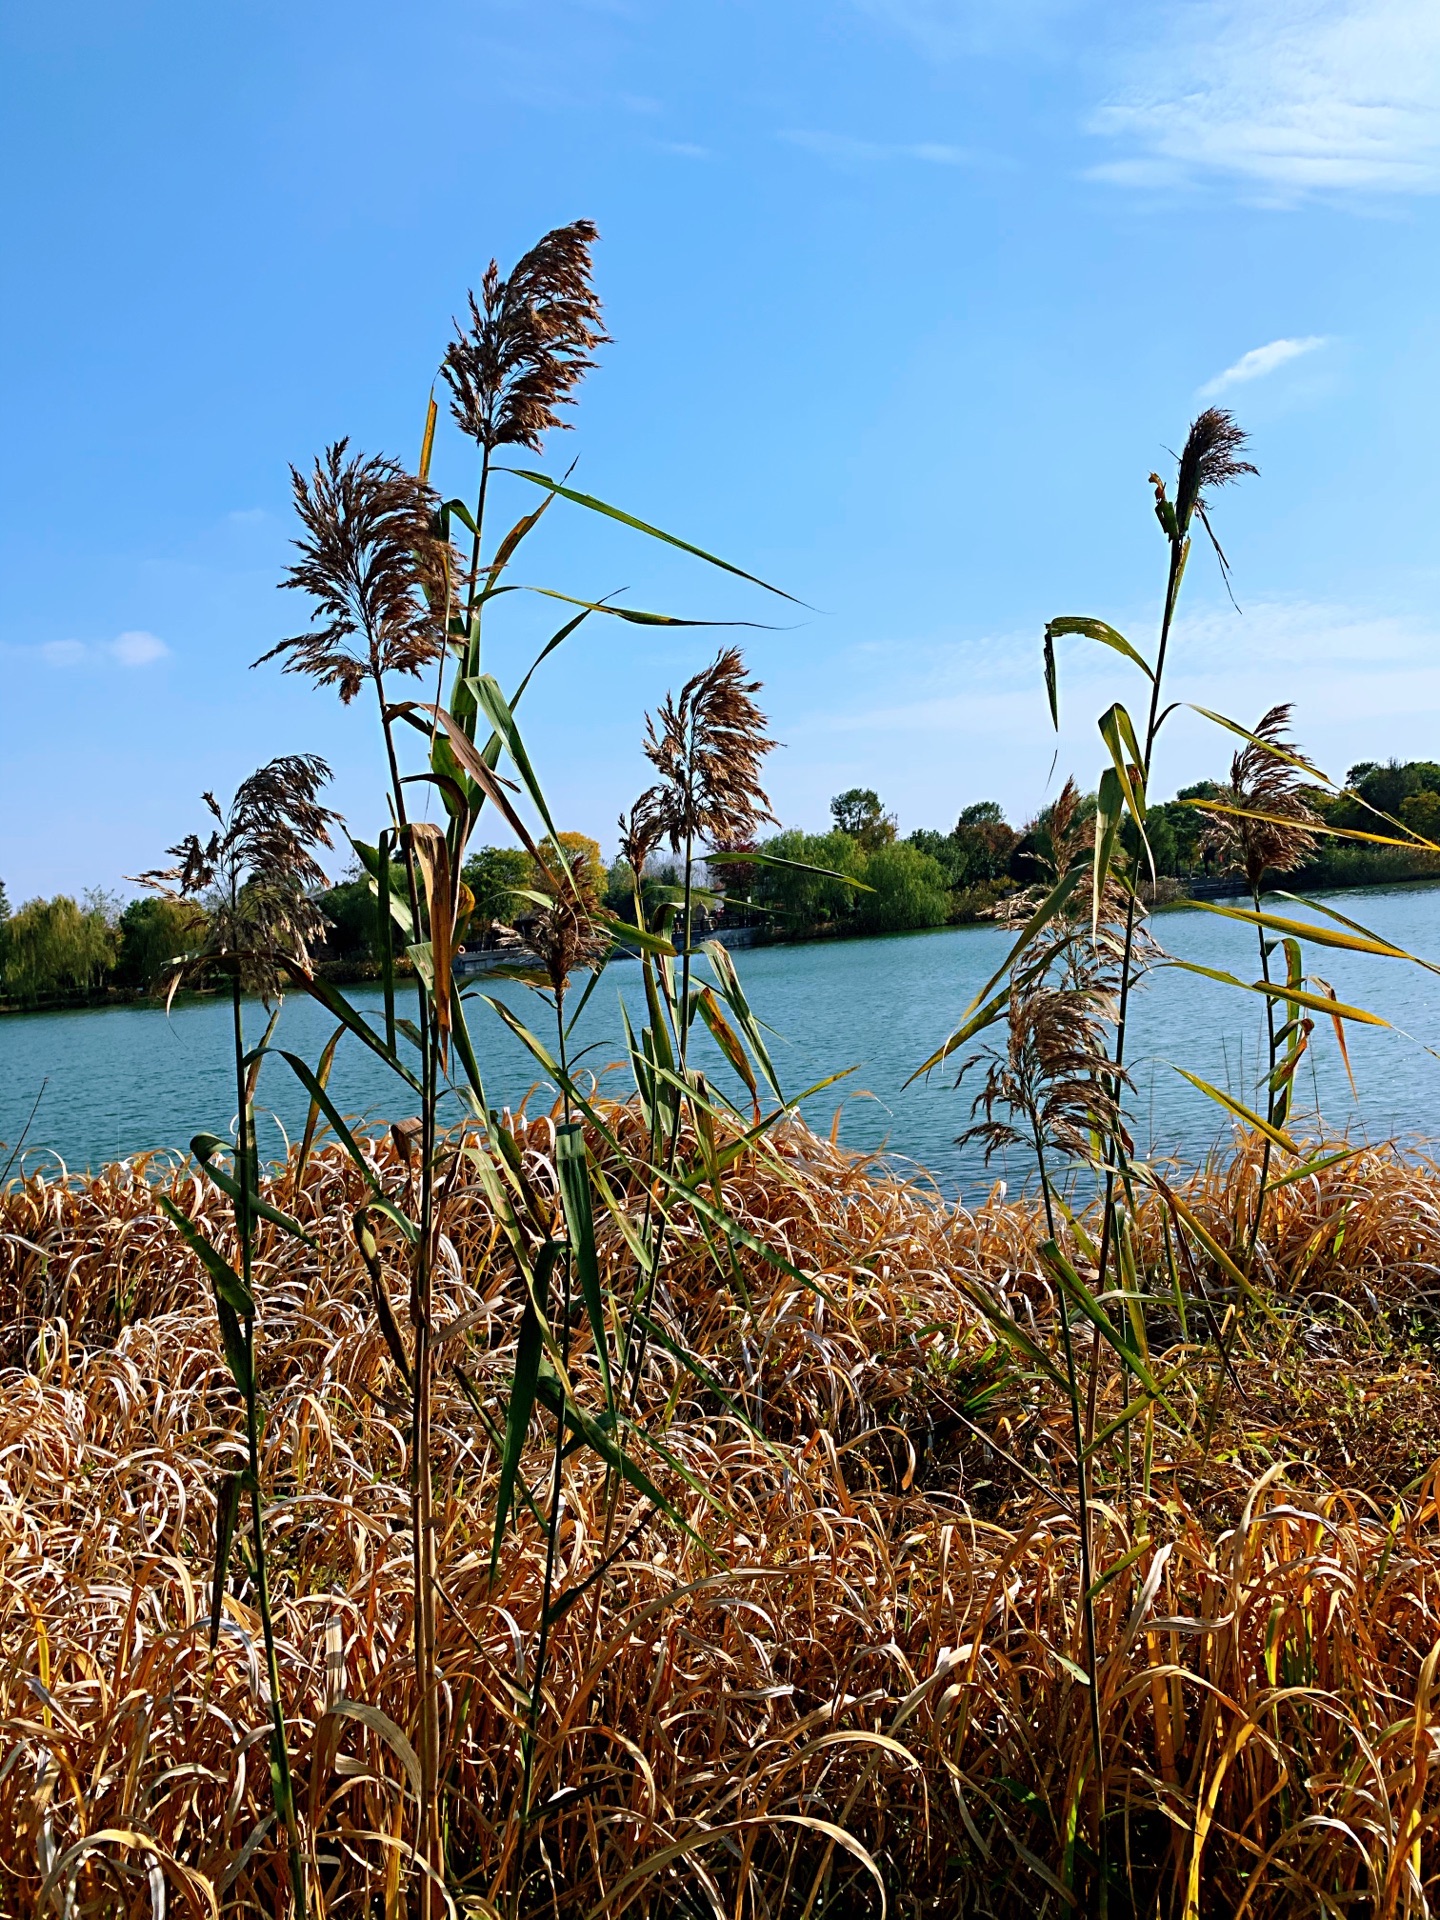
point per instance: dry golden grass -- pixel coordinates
(868, 1673)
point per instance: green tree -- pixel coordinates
(583, 855)
(1387, 788)
(1421, 813)
(151, 933)
(859, 813)
(985, 840)
(1189, 823)
(351, 910)
(908, 891)
(945, 850)
(805, 901)
(492, 875)
(58, 947)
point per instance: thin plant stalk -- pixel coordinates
(1266, 1148)
(282, 1786)
(472, 612)
(1082, 1489)
(422, 1517)
(1114, 1160)
(1211, 458)
(552, 1530)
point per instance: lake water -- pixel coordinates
(119, 1080)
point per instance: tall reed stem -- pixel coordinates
(422, 1520)
(552, 1529)
(246, 1157)
(1082, 1489)
(1114, 1159)
(1271, 1101)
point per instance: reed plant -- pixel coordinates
(392, 598)
(255, 871)
(1261, 824)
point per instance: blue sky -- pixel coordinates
(907, 297)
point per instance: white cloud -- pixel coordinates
(62, 653)
(132, 649)
(841, 149)
(1259, 361)
(137, 649)
(1290, 97)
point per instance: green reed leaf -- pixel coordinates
(573, 1166)
(589, 501)
(1237, 1108)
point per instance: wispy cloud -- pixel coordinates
(842, 150)
(1291, 98)
(133, 649)
(946, 29)
(1259, 361)
(63, 653)
(137, 649)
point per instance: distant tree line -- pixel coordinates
(932, 878)
(66, 951)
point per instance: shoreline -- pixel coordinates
(750, 939)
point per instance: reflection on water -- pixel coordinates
(120, 1080)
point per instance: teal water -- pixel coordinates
(113, 1082)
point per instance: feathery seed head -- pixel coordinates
(564, 935)
(528, 344)
(258, 869)
(1264, 779)
(374, 566)
(1211, 458)
(708, 747)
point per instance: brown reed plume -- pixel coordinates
(1054, 1070)
(529, 343)
(1211, 458)
(563, 933)
(256, 871)
(641, 831)
(708, 748)
(1269, 829)
(375, 568)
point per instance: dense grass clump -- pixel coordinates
(856, 1665)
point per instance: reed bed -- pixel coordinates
(855, 1683)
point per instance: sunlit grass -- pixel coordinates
(878, 1636)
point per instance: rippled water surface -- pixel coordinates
(119, 1080)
